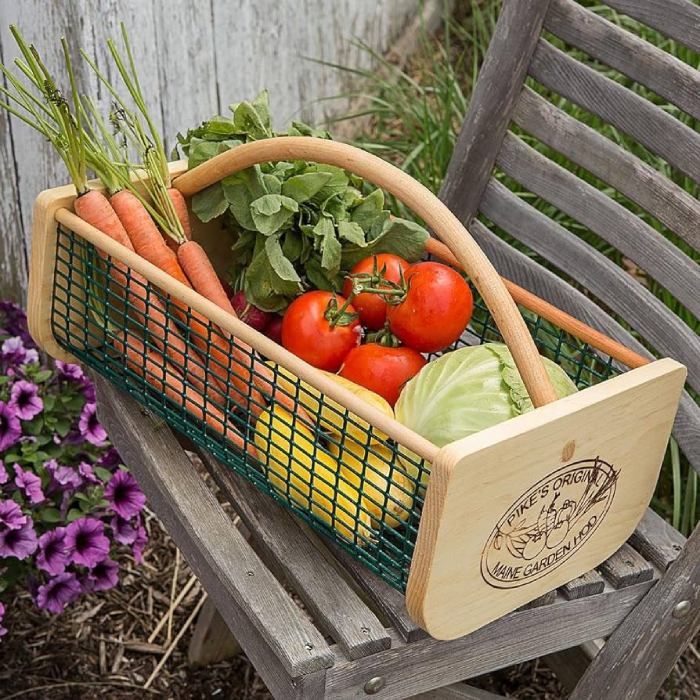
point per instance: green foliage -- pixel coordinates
(414, 115)
(294, 224)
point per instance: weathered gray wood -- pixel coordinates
(234, 576)
(211, 640)
(590, 583)
(546, 599)
(655, 193)
(649, 124)
(646, 64)
(492, 102)
(514, 638)
(641, 652)
(626, 567)
(336, 608)
(570, 664)
(617, 289)
(526, 272)
(612, 222)
(388, 601)
(458, 691)
(657, 541)
(678, 19)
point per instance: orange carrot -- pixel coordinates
(204, 279)
(166, 378)
(96, 209)
(181, 210)
(144, 234)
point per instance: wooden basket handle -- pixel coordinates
(423, 202)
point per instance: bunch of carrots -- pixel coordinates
(139, 209)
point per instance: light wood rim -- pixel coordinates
(238, 329)
(424, 203)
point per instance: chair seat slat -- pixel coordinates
(626, 567)
(336, 608)
(599, 274)
(678, 19)
(637, 117)
(590, 583)
(655, 193)
(646, 64)
(657, 541)
(642, 244)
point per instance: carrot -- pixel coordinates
(95, 208)
(204, 279)
(180, 207)
(166, 378)
(144, 234)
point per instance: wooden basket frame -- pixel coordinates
(448, 592)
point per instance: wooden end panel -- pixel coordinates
(524, 507)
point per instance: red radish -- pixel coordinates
(274, 329)
(252, 315)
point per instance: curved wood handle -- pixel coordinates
(423, 202)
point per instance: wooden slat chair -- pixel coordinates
(354, 637)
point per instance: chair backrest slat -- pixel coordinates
(637, 180)
(677, 19)
(599, 213)
(494, 98)
(526, 272)
(608, 282)
(632, 114)
(670, 78)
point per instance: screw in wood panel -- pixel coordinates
(681, 609)
(374, 685)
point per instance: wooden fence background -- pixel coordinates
(195, 57)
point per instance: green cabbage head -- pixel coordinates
(467, 390)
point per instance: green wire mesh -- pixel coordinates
(344, 478)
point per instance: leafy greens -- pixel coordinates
(295, 224)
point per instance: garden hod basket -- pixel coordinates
(469, 531)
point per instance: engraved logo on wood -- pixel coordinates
(549, 523)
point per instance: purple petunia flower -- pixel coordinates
(58, 592)
(110, 459)
(10, 427)
(29, 483)
(19, 543)
(139, 544)
(124, 495)
(62, 478)
(3, 474)
(88, 391)
(87, 474)
(70, 371)
(103, 576)
(90, 427)
(13, 351)
(11, 516)
(86, 542)
(3, 630)
(53, 555)
(25, 400)
(124, 532)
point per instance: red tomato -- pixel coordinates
(372, 307)
(381, 369)
(307, 330)
(436, 310)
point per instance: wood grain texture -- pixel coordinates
(423, 203)
(387, 600)
(641, 243)
(637, 117)
(666, 75)
(211, 639)
(495, 94)
(510, 640)
(518, 266)
(590, 583)
(336, 608)
(657, 541)
(632, 665)
(678, 19)
(608, 282)
(626, 567)
(215, 549)
(458, 691)
(465, 572)
(644, 185)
